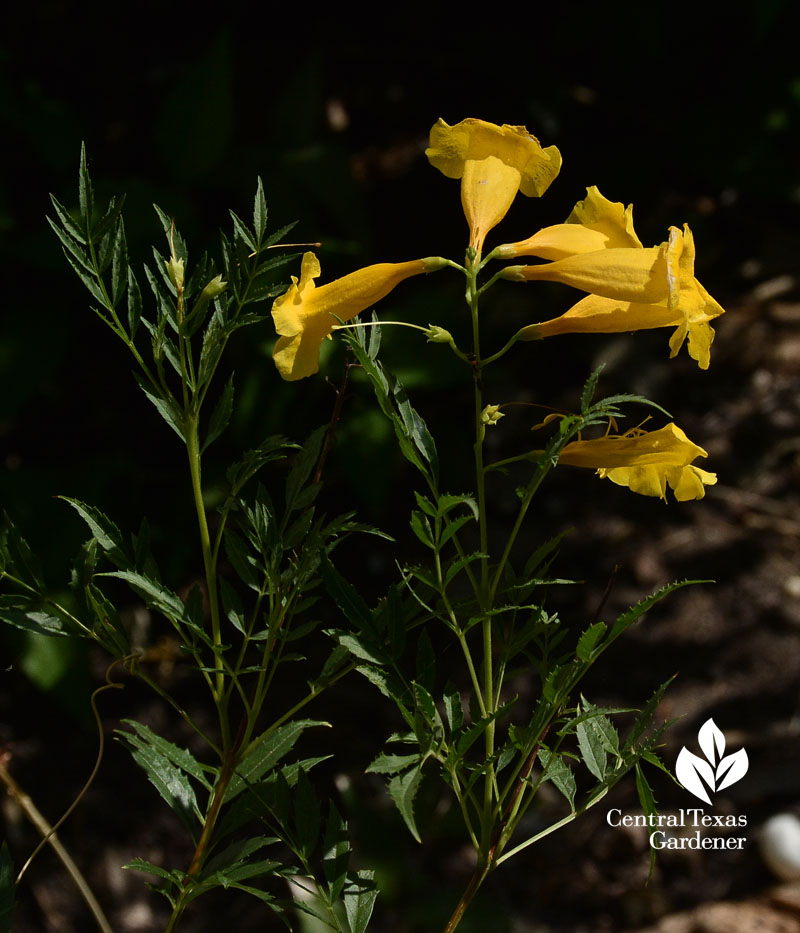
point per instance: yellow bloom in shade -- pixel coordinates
(645, 461)
(493, 163)
(305, 315)
(595, 223)
(631, 288)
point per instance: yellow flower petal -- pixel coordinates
(607, 217)
(646, 462)
(691, 303)
(488, 189)
(451, 147)
(493, 163)
(305, 315)
(595, 223)
(638, 275)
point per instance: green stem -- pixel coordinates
(484, 596)
(193, 451)
(478, 876)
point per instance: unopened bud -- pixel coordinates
(436, 334)
(214, 289)
(175, 272)
(434, 263)
(513, 273)
(491, 415)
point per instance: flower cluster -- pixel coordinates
(631, 287)
(628, 287)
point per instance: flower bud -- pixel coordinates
(436, 334)
(491, 415)
(214, 289)
(175, 272)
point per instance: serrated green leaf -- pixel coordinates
(559, 772)
(391, 764)
(425, 504)
(413, 437)
(233, 876)
(265, 752)
(139, 864)
(259, 212)
(168, 411)
(120, 267)
(73, 250)
(403, 789)
(453, 708)
(235, 854)
(590, 388)
(168, 779)
(279, 234)
(543, 555)
(648, 804)
(103, 530)
(34, 620)
(447, 502)
(15, 551)
(592, 749)
(67, 221)
(85, 195)
(134, 304)
(273, 448)
(421, 527)
(470, 735)
(388, 685)
(153, 592)
(221, 415)
(104, 227)
(268, 795)
(452, 527)
(89, 281)
(346, 596)
(176, 242)
(456, 566)
(180, 757)
(359, 899)
(361, 648)
(589, 641)
(241, 231)
(636, 611)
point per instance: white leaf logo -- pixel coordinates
(715, 770)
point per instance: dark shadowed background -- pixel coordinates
(691, 116)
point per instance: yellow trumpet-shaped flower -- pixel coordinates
(305, 315)
(645, 461)
(594, 224)
(493, 163)
(632, 288)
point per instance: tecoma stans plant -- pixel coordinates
(466, 619)
(490, 599)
